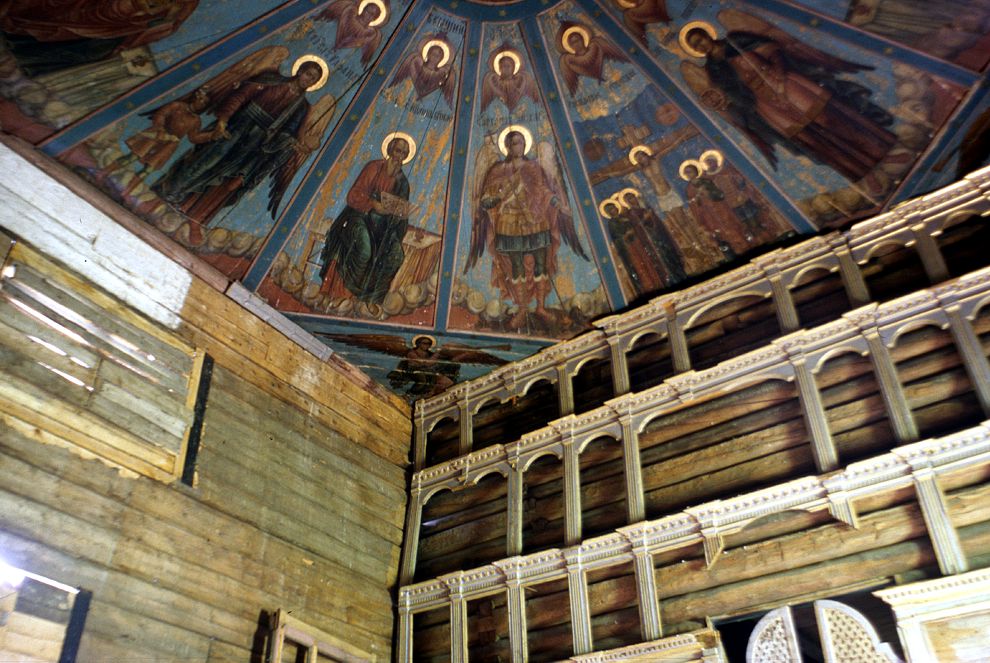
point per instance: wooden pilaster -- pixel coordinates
(577, 585)
(514, 536)
(572, 492)
(944, 537)
(971, 351)
(458, 618)
(852, 278)
(565, 391)
(405, 635)
(646, 590)
(620, 367)
(516, 604)
(635, 498)
(931, 255)
(822, 444)
(678, 342)
(901, 418)
(783, 303)
(410, 545)
(465, 426)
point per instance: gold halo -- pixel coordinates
(527, 137)
(323, 67)
(581, 30)
(444, 46)
(432, 339)
(382, 15)
(682, 36)
(621, 196)
(512, 55)
(404, 136)
(712, 154)
(610, 199)
(636, 150)
(690, 162)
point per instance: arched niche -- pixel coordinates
(463, 528)
(854, 408)
(935, 381)
(819, 296)
(893, 270)
(649, 360)
(963, 241)
(543, 503)
(592, 384)
(730, 327)
(751, 438)
(442, 441)
(603, 486)
(507, 421)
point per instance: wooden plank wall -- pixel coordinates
(299, 504)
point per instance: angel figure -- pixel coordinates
(358, 24)
(266, 127)
(423, 370)
(638, 14)
(507, 80)
(583, 54)
(776, 89)
(520, 217)
(430, 69)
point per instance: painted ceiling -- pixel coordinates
(436, 187)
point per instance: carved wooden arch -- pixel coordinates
(973, 308)
(782, 373)
(488, 399)
(592, 355)
(429, 493)
(849, 347)
(818, 265)
(439, 419)
(535, 381)
(727, 297)
(896, 241)
(957, 216)
(640, 334)
(597, 435)
(936, 318)
(525, 462)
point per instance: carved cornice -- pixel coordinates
(675, 648)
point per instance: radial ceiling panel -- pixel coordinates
(559, 160)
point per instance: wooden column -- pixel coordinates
(405, 643)
(646, 590)
(577, 592)
(901, 418)
(971, 351)
(419, 438)
(565, 391)
(852, 278)
(931, 255)
(678, 342)
(514, 521)
(635, 497)
(410, 545)
(620, 367)
(783, 303)
(465, 426)
(945, 539)
(822, 444)
(516, 602)
(572, 493)
(458, 618)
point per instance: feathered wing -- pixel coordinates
(569, 74)
(528, 87)
(220, 87)
(370, 47)
(738, 21)
(336, 10)
(408, 69)
(309, 139)
(714, 98)
(565, 220)
(449, 85)
(481, 230)
(489, 93)
(384, 343)
(609, 50)
(465, 354)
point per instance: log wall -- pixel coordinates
(300, 484)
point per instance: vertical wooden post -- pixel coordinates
(944, 537)
(410, 545)
(577, 592)
(405, 644)
(635, 497)
(852, 277)
(516, 602)
(822, 444)
(620, 367)
(458, 618)
(419, 437)
(514, 520)
(465, 426)
(646, 589)
(931, 255)
(678, 341)
(783, 302)
(572, 492)
(565, 391)
(901, 417)
(971, 351)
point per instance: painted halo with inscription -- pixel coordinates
(303, 59)
(688, 27)
(512, 55)
(683, 168)
(574, 29)
(527, 137)
(404, 136)
(637, 150)
(715, 155)
(442, 45)
(382, 11)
